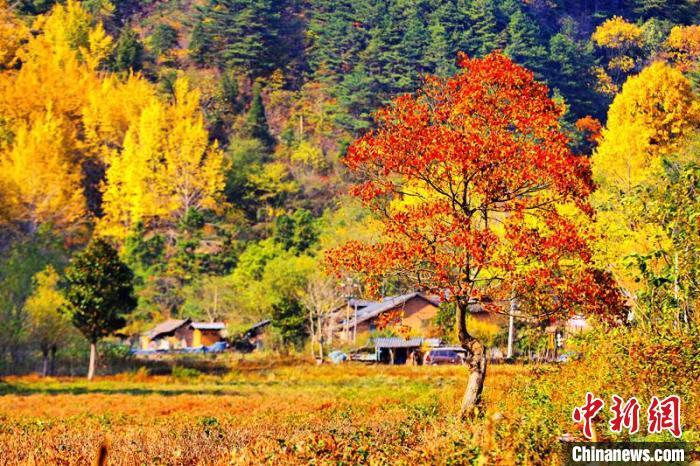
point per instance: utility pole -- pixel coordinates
(511, 327)
(350, 288)
(354, 331)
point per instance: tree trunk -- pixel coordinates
(93, 356)
(45, 366)
(52, 363)
(476, 363)
(321, 340)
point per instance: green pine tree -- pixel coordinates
(255, 125)
(245, 33)
(483, 35)
(410, 48)
(128, 51)
(163, 39)
(524, 43)
(569, 72)
(200, 44)
(438, 56)
(337, 35)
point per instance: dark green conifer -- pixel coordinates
(128, 51)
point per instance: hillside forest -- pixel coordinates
(212, 150)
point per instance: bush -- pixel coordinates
(184, 374)
(114, 354)
(623, 361)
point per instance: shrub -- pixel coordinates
(183, 374)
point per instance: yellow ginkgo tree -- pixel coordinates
(166, 168)
(621, 42)
(42, 181)
(647, 122)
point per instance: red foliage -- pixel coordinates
(481, 165)
(590, 126)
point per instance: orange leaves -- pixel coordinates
(489, 122)
(590, 126)
(467, 176)
(684, 44)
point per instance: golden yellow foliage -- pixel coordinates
(653, 113)
(660, 101)
(48, 325)
(71, 25)
(604, 83)
(684, 42)
(56, 67)
(167, 166)
(309, 155)
(59, 109)
(43, 183)
(622, 63)
(616, 33)
(12, 33)
(111, 107)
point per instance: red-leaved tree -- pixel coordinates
(479, 197)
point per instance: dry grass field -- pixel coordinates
(296, 414)
(287, 415)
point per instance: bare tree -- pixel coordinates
(321, 299)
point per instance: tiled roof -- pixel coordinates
(387, 304)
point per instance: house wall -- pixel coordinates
(205, 337)
(418, 314)
(183, 335)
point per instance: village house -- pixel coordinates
(412, 314)
(415, 312)
(181, 334)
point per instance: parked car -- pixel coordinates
(444, 356)
(338, 357)
(366, 354)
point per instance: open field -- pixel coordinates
(299, 414)
(277, 412)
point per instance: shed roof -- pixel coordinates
(432, 342)
(396, 342)
(256, 328)
(208, 325)
(166, 327)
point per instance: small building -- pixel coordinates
(396, 350)
(176, 334)
(206, 333)
(171, 334)
(252, 338)
(414, 311)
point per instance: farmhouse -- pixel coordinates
(413, 311)
(181, 334)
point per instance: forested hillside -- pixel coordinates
(204, 139)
